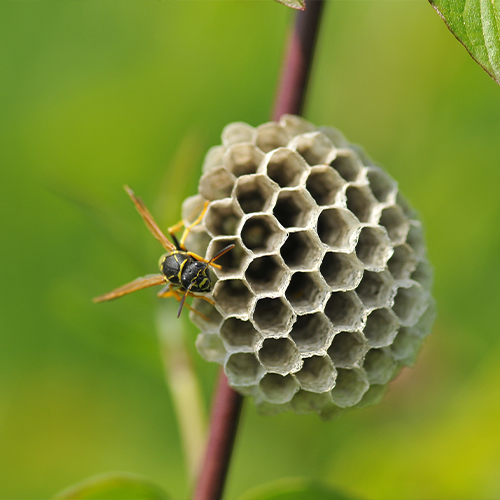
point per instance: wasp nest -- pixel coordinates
(326, 294)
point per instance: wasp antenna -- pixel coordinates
(181, 305)
(221, 253)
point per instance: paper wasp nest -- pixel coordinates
(327, 292)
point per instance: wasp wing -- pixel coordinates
(133, 286)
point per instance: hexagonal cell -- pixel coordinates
(374, 248)
(255, 193)
(311, 333)
(267, 274)
(237, 132)
(403, 262)
(416, 240)
(379, 365)
(267, 409)
(243, 159)
(211, 319)
(381, 328)
(306, 291)
(382, 186)
(344, 310)
(336, 136)
(198, 240)
(406, 346)
(222, 218)
(423, 274)
(296, 125)
(348, 349)
(314, 147)
(408, 210)
(338, 228)
(277, 388)
(324, 184)
(285, 167)
(410, 303)
(347, 164)
(317, 374)
(396, 223)
(280, 356)
(306, 402)
(271, 136)
(213, 158)
(361, 202)
(294, 208)
(239, 335)
(233, 262)
(216, 184)
(372, 396)
(349, 387)
(192, 208)
(262, 234)
(341, 271)
(210, 347)
(301, 251)
(376, 289)
(243, 368)
(273, 316)
(233, 297)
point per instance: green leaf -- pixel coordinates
(295, 488)
(113, 486)
(294, 4)
(476, 24)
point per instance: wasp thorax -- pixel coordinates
(195, 276)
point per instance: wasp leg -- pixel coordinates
(187, 229)
(170, 291)
(197, 257)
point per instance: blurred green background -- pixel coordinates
(97, 94)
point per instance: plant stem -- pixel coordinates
(227, 403)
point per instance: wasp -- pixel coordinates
(184, 273)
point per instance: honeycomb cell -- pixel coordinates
(374, 248)
(211, 319)
(423, 274)
(324, 184)
(216, 184)
(233, 262)
(294, 208)
(211, 348)
(311, 333)
(271, 136)
(338, 228)
(192, 208)
(255, 193)
(410, 302)
(243, 368)
(278, 388)
(306, 401)
(344, 310)
(314, 147)
(381, 328)
(382, 186)
(350, 387)
(280, 356)
(295, 125)
(317, 374)
(415, 239)
(261, 234)
(222, 218)
(336, 136)
(243, 159)
(273, 316)
(396, 224)
(341, 271)
(306, 292)
(376, 289)
(233, 297)
(407, 208)
(267, 274)
(285, 167)
(403, 262)
(372, 396)
(213, 158)
(347, 164)
(198, 241)
(237, 132)
(361, 202)
(406, 345)
(301, 251)
(348, 349)
(239, 335)
(379, 365)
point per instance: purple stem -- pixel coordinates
(227, 403)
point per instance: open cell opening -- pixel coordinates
(243, 368)
(286, 167)
(243, 159)
(410, 303)
(317, 374)
(360, 202)
(239, 334)
(311, 332)
(347, 165)
(373, 248)
(382, 186)
(273, 316)
(344, 310)
(262, 234)
(278, 388)
(347, 349)
(379, 365)
(222, 218)
(233, 262)
(396, 224)
(271, 136)
(233, 297)
(279, 356)
(403, 262)
(349, 387)
(306, 291)
(324, 184)
(381, 328)
(254, 193)
(315, 148)
(294, 208)
(375, 289)
(301, 251)
(406, 346)
(216, 184)
(337, 227)
(267, 273)
(341, 271)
